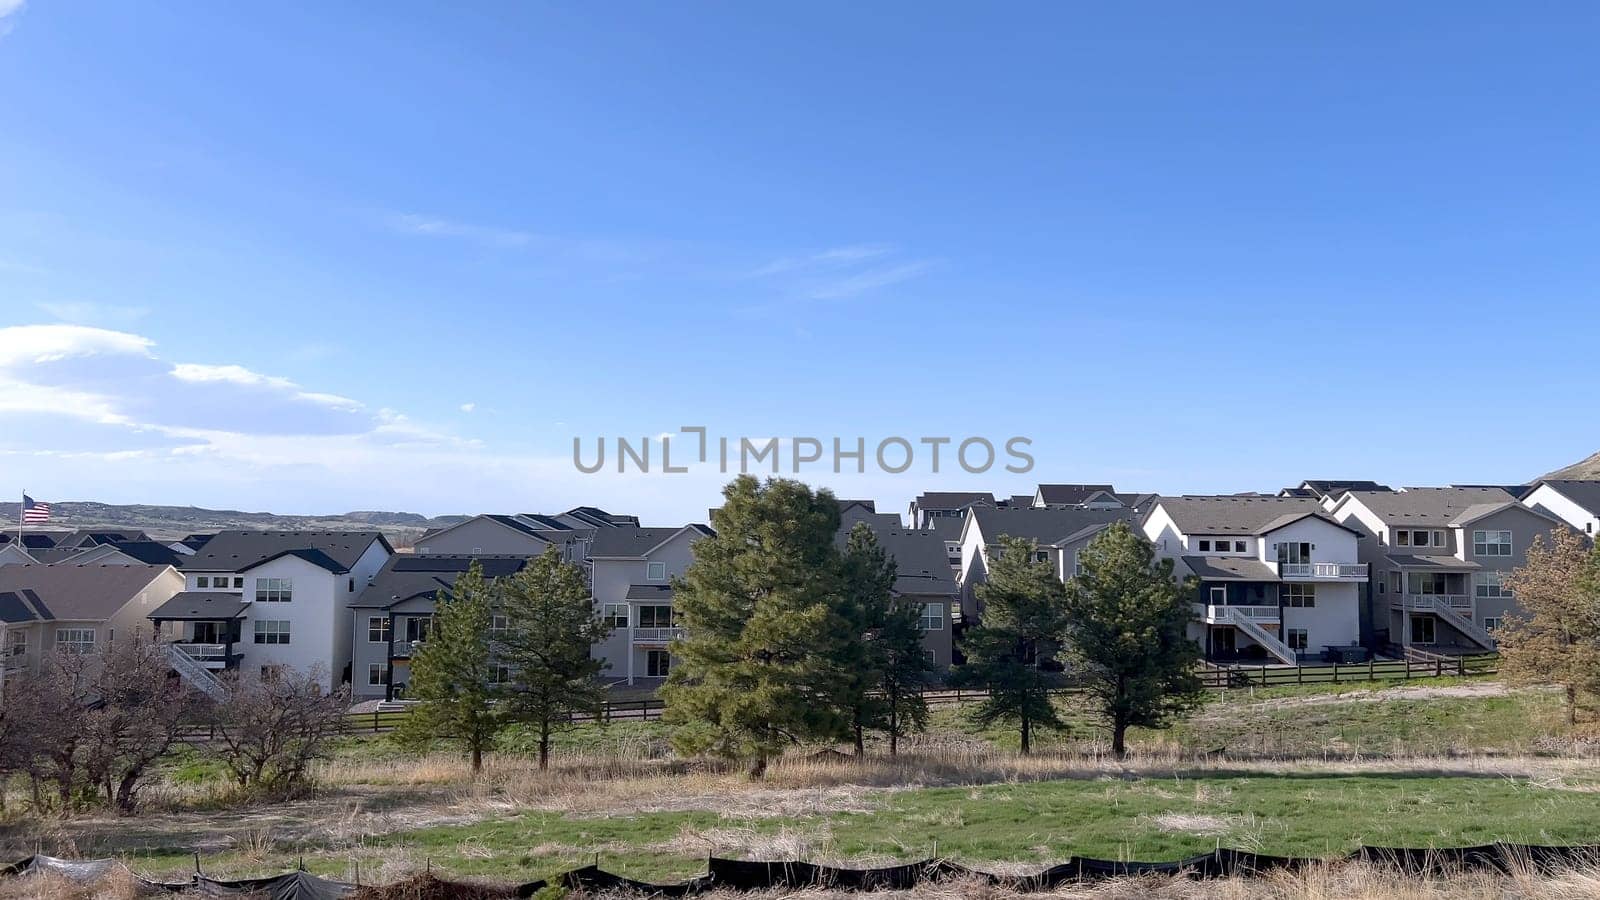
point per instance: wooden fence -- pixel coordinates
(1213, 677)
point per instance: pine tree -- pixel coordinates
(1126, 631)
(452, 671)
(551, 626)
(867, 595)
(1023, 603)
(903, 670)
(1558, 641)
(764, 627)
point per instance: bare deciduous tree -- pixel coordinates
(1558, 642)
(269, 731)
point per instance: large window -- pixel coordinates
(377, 630)
(932, 617)
(16, 643)
(1219, 595)
(1300, 595)
(1491, 543)
(418, 628)
(1294, 553)
(272, 631)
(1298, 639)
(377, 674)
(614, 614)
(75, 640)
(1490, 586)
(274, 590)
(655, 616)
(657, 663)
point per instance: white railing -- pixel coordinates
(194, 673)
(1336, 571)
(1219, 614)
(656, 635)
(1427, 602)
(202, 651)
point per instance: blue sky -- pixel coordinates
(315, 257)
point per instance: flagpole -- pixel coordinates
(22, 511)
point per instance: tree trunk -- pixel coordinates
(894, 728)
(1027, 735)
(544, 745)
(125, 792)
(1572, 704)
(861, 744)
(477, 759)
(1119, 739)
(758, 768)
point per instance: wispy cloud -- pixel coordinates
(841, 272)
(8, 11)
(832, 258)
(79, 312)
(468, 407)
(590, 250)
(869, 280)
(429, 226)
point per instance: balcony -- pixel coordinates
(212, 656)
(656, 635)
(1218, 614)
(1427, 602)
(1322, 571)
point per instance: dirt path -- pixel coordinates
(1474, 690)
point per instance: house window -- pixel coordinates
(933, 658)
(75, 640)
(1041, 556)
(377, 629)
(238, 583)
(1298, 639)
(16, 643)
(1490, 586)
(1491, 543)
(351, 585)
(1219, 595)
(655, 616)
(932, 617)
(204, 581)
(272, 631)
(377, 674)
(614, 614)
(1491, 623)
(274, 590)
(1422, 629)
(500, 675)
(1402, 538)
(656, 571)
(1300, 595)
(1077, 562)
(1238, 546)
(657, 663)
(418, 628)
(1438, 539)
(1205, 546)
(499, 624)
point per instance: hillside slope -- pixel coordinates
(1583, 469)
(172, 522)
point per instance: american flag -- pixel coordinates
(34, 512)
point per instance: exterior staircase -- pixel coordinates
(198, 676)
(1266, 639)
(1450, 616)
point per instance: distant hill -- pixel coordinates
(1588, 469)
(173, 522)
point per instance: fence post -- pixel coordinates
(1335, 673)
(1438, 667)
(374, 720)
(1299, 674)
(1371, 676)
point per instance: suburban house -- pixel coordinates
(45, 609)
(258, 601)
(1438, 557)
(630, 575)
(127, 553)
(1331, 489)
(923, 577)
(1576, 503)
(1278, 578)
(395, 613)
(1059, 533)
(524, 534)
(945, 505)
(1071, 496)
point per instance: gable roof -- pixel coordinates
(1322, 487)
(1047, 526)
(1518, 491)
(68, 592)
(952, 499)
(1237, 514)
(406, 576)
(236, 551)
(32, 540)
(152, 553)
(1072, 494)
(634, 542)
(921, 564)
(1438, 507)
(1584, 493)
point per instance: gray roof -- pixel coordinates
(1229, 568)
(1518, 491)
(1047, 526)
(953, 499)
(236, 551)
(1584, 493)
(406, 576)
(1337, 486)
(1240, 514)
(659, 593)
(1072, 494)
(1428, 506)
(1440, 562)
(921, 564)
(87, 593)
(152, 553)
(632, 541)
(201, 605)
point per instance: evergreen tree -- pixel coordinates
(1023, 603)
(867, 595)
(452, 671)
(551, 626)
(903, 670)
(1558, 641)
(1126, 630)
(764, 627)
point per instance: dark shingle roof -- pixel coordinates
(661, 593)
(1229, 568)
(953, 499)
(1240, 514)
(409, 575)
(1435, 506)
(236, 551)
(1518, 491)
(69, 592)
(1072, 494)
(632, 541)
(1441, 562)
(1047, 526)
(1584, 493)
(1337, 486)
(37, 540)
(203, 605)
(152, 553)
(921, 564)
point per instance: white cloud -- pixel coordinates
(841, 272)
(9, 8)
(468, 407)
(25, 344)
